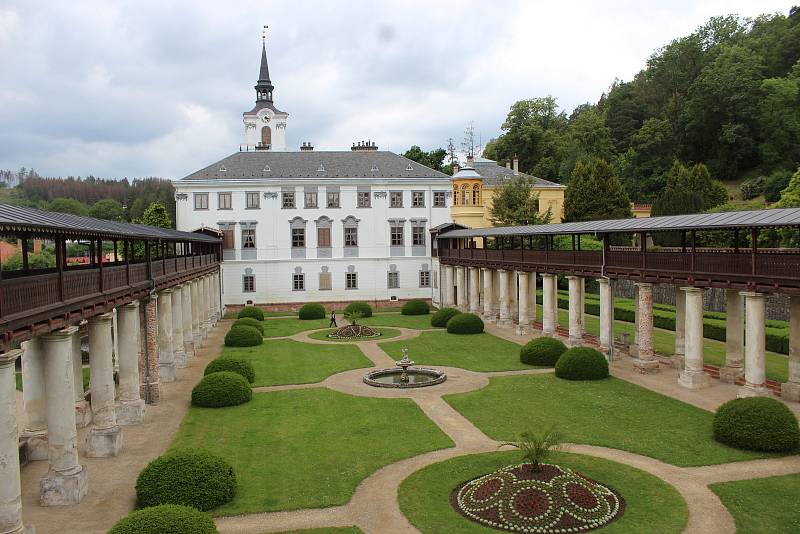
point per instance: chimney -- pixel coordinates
(364, 145)
(456, 168)
(508, 164)
(516, 164)
(306, 147)
(470, 161)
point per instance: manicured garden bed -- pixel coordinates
(331, 530)
(289, 327)
(419, 322)
(611, 412)
(285, 361)
(651, 505)
(386, 333)
(307, 448)
(762, 504)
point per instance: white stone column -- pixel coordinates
(177, 327)
(130, 408)
(532, 313)
(105, 437)
(575, 332)
(734, 337)
(474, 290)
(218, 296)
(606, 315)
(583, 305)
(680, 326)
(513, 296)
(791, 390)
(448, 286)
(461, 282)
(186, 316)
(166, 356)
(524, 325)
(205, 309)
(692, 375)
(548, 305)
(488, 296)
(633, 350)
(505, 312)
(646, 361)
(755, 371)
(555, 300)
(66, 481)
(83, 412)
(10, 487)
(197, 335)
(34, 430)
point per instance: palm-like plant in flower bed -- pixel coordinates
(537, 447)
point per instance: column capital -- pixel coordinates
(103, 317)
(752, 294)
(692, 289)
(643, 284)
(572, 277)
(167, 291)
(522, 273)
(8, 358)
(131, 305)
(486, 269)
(502, 270)
(602, 280)
(64, 333)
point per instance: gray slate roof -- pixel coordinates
(698, 221)
(315, 165)
(494, 174)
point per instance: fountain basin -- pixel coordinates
(416, 378)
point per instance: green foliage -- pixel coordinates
(582, 363)
(108, 209)
(442, 316)
(757, 424)
(776, 182)
(312, 310)
(249, 321)
(67, 205)
(156, 214)
(465, 323)
(220, 389)
(779, 119)
(537, 447)
(189, 477)
(243, 336)
(361, 307)
(595, 193)
(251, 311)
(433, 159)
(45, 260)
(165, 519)
(514, 202)
(542, 351)
(234, 364)
(753, 187)
(415, 307)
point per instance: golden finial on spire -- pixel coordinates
(264, 33)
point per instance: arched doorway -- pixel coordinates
(266, 136)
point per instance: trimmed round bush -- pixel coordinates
(312, 311)
(243, 336)
(415, 307)
(361, 307)
(542, 351)
(233, 364)
(249, 321)
(251, 311)
(165, 519)
(465, 323)
(440, 318)
(582, 363)
(190, 477)
(757, 424)
(223, 388)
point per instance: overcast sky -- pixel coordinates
(157, 88)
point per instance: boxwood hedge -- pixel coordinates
(312, 310)
(465, 323)
(757, 424)
(360, 307)
(251, 311)
(243, 336)
(582, 363)
(440, 318)
(234, 364)
(165, 519)
(222, 388)
(249, 321)
(415, 307)
(542, 351)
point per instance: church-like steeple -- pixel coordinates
(264, 86)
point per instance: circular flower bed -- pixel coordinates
(553, 499)
(354, 331)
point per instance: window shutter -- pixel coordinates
(323, 237)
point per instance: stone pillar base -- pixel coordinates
(791, 391)
(62, 489)
(730, 375)
(549, 333)
(505, 323)
(180, 359)
(198, 340)
(523, 330)
(680, 361)
(645, 367)
(693, 379)
(204, 332)
(37, 444)
(166, 372)
(490, 318)
(753, 390)
(83, 414)
(130, 412)
(574, 341)
(188, 348)
(104, 442)
(633, 350)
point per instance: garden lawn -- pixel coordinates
(386, 333)
(289, 327)
(285, 361)
(307, 448)
(331, 530)
(611, 412)
(85, 379)
(762, 504)
(419, 322)
(651, 505)
(476, 352)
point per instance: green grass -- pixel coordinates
(419, 322)
(285, 361)
(331, 530)
(476, 352)
(386, 333)
(85, 379)
(651, 505)
(289, 327)
(611, 412)
(307, 448)
(762, 504)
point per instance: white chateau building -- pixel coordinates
(312, 226)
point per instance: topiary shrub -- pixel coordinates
(249, 321)
(542, 351)
(359, 307)
(233, 364)
(757, 424)
(582, 363)
(440, 318)
(190, 477)
(252, 311)
(165, 519)
(312, 310)
(243, 336)
(465, 323)
(415, 307)
(223, 388)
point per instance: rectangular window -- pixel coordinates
(418, 236)
(350, 237)
(298, 237)
(363, 199)
(224, 201)
(393, 280)
(325, 283)
(396, 199)
(248, 283)
(248, 238)
(351, 280)
(323, 237)
(227, 237)
(424, 279)
(333, 199)
(418, 199)
(287, 200)
(397, 236)
(298, 282)
(201, 201)
(439, 199)
(253, 201)
(311, 200)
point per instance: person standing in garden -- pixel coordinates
(333, 320)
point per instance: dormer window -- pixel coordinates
(409, 167)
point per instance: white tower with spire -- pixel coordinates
(265, 125)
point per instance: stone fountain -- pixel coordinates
(403, 376)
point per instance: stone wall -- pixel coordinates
(329, 305)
